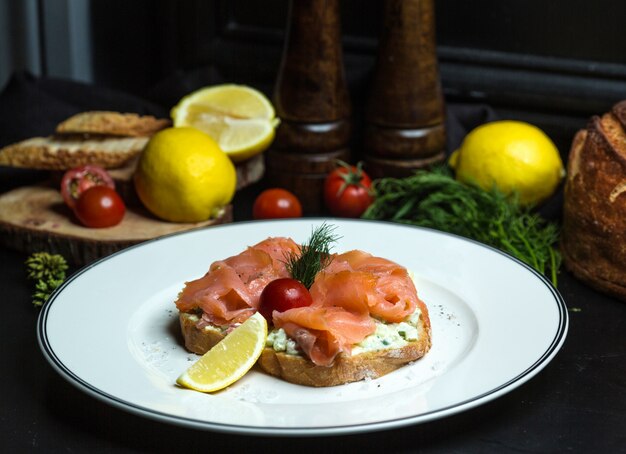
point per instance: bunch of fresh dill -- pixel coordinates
(314, 255)
(48, 272)
(435, 199)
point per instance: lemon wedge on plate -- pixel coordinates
(230, 359)
(239, 118)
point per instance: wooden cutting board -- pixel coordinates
(34, 219)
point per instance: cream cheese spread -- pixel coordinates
(386, 336)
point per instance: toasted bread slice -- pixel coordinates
(54, 153)
(112, 124)
(300, 370)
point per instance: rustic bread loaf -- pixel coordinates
(300, 370)
(593, 240)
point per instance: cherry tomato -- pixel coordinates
(347, 191)
(282, 294)
(276, 203)
(100, 206)
(78, 180)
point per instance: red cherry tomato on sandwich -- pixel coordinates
(100, 206)
(282, 294)
(347, 191)
(276, 203)
(78, 180)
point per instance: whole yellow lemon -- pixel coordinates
(183, 176)
(514, 156)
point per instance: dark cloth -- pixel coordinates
(31, 106)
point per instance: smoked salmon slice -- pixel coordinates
(338, 318)
(393, 297)
(229, 292)
(324, 332)
(354, 287)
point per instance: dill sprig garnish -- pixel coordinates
(48, 270)
(314, 255)
(435, 199)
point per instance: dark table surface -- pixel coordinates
(576, 404)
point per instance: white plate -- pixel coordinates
(111, 330)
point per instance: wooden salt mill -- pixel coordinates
(312, 101)
(405, 128)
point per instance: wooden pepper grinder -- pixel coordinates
(312, 101)
(405, 128)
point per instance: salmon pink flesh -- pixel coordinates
(337, 312)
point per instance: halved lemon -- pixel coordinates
(239, 118)
(230, 359)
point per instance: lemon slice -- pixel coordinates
(230, 359)
(239, 118)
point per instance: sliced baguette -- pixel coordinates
(112, 124)
(107, 139)
(298, 369)
(54, 153)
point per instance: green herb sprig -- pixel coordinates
(48, 272)
(314, 256)
(435, 199)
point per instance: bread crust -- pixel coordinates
(593, 240)
(299, 370)
(106, 139)
(52, 153)
(112, 124)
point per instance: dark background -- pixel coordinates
(553, 63)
